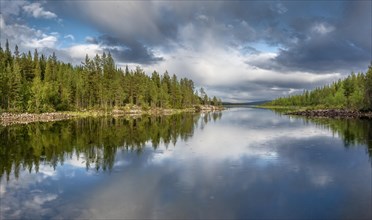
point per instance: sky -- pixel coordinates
(240, 51)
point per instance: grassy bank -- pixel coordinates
(282, 109)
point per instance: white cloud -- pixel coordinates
(44, 41)
(322, 28)
(30, 38)
(79, 51)
(202, 17)
(200, 46)
(70, 36)
(46, 172)
(11, 7)
(37, 11)
(27, 37)
(160, 156)
(90, 40)
(213, 66)
(41, 199)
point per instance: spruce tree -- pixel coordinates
(368, 88)
(36, 84)
(15, 86)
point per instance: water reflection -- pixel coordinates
(94, 141)
(353, 132)
(249, 164)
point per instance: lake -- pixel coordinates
(243, 163)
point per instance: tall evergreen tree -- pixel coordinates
(36, 84)
(368, 87)
(15, 86)
(353, 92)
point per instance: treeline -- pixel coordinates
(353, 92)
(36, 83)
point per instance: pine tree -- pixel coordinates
(368, 88)
(175, 93)
(16, 53)
(155, 89)
(15, 86)
(36, 84)
(348, 89)
(36, 101)
(8, 54)
(215, 101)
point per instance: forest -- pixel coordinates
(36, 83)
(353, 92)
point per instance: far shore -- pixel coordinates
(333, 113)
(8, 118)
(321, 113)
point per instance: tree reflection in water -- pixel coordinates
(353, 132)
(96, 140)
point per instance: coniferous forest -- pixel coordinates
(36, 83)
(354, 92)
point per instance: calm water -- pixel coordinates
(242, 163)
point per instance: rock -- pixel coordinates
(207, 108)
(333, 113)
(118, 112)
(25, 118)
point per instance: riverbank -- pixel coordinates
(317, 112)
(332, 113)
(132, 111)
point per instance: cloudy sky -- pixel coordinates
(238, 50)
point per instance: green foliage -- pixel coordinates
(368, 88)
(15, 86)
(353, 92)
(39, 84)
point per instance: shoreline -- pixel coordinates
(8, 118)
(320, 113)
(333, 113)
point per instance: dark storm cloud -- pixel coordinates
(127, 50)
(332, 45)
(91, 40)
(157, 22)
(260, 45)
(126, 20)
(325, 55)
(289, 25)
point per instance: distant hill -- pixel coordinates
(246, 103)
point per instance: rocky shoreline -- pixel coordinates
(7, 119)
(25, 118)
(333, 113)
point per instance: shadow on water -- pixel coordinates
(96, 140)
